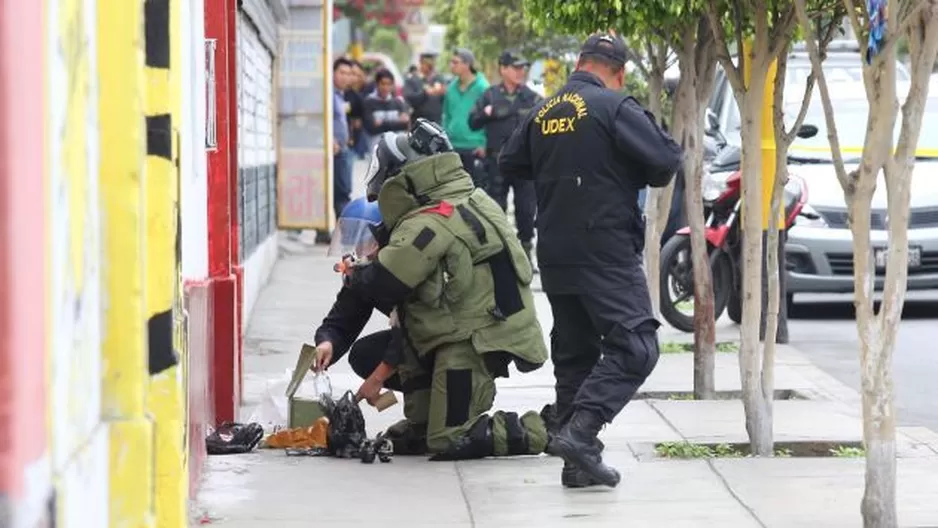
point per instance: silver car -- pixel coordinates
(819, 253)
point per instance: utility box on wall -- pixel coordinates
(304, 179)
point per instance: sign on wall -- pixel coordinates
(304, 119)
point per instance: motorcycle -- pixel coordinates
(722, 205)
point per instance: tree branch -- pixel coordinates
(733, 74)
(738, 30)
(851, 9)
(923, 58)
(818, 69)
(639, 63)
(783, 28)
(810, 82)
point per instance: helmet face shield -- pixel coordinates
(353, 236)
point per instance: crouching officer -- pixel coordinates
(360, 232)
(461, 286)
(589, 150)
(500, 109)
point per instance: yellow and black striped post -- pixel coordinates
(121, 183)
(166, 398)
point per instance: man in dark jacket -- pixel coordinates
(499, 111)
(424, 92)
(590, 149)
(383, 111)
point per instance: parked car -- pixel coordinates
(843, 66)
(819, 253)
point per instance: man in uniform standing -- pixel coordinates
(424, 92)
(590, 149)
(498, 112)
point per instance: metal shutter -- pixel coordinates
(256, 152)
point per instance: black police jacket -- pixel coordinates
(345, 321)
(590, 150)
(507, 112)
(350, 313)
(426, 106)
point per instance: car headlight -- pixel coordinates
(809, 217)
(712, 187)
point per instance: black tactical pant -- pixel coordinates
(476, 169)
(601, 350)
(525, 198)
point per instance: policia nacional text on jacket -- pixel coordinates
(590, 150)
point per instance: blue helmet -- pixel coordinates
(362, 209)
(354, 231)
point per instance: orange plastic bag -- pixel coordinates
(301, 437)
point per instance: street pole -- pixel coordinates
(767, 133)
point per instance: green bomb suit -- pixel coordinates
(461, 284)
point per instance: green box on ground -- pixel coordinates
(303, 412)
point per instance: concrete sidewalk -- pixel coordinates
(267, 488)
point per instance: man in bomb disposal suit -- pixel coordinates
(590, 149)
(460, 284)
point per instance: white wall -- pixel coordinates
(79, 440)
(194, 177)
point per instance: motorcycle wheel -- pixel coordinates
(735, 307)
(676, 263)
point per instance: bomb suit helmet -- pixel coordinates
(393, 150)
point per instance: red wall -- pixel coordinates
(22, 243)
(224, 289)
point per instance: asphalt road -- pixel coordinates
(824, 328)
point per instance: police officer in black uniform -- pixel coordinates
(499, 111)
(589, 149)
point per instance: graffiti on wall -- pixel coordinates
(78, 444)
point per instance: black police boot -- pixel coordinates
(577, 444)
(408, 438)
(571, 476)
(574, 477)
(528, 250)
(478, 442)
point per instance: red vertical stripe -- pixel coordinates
(22, 242)
(219, 210)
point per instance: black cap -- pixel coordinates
(606, 45)
(429, 55)
(510, 58)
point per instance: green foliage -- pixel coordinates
(847, 452)
(488, 27)
(687, 449)
(389, 41)
(681, 397)
(670, 347)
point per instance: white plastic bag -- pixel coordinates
(273, 412)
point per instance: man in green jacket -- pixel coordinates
(460, 282)
(460, 99)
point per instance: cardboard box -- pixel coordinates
(303, 412)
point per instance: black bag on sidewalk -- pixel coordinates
(234, 438)
(346, 427)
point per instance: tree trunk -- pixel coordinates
(657, 204)
(758, 417)
(687, 119)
